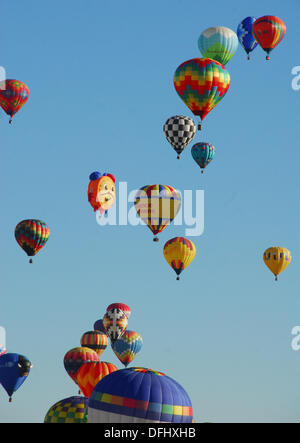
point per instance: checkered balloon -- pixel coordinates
(179, 131)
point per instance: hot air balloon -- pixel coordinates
(277, 259)
(245, 36)
(13, 97)
(32, 236)
(268, 31)
(179, 131)
(139, 395)
(201, 83)
(127, 347)
(101, 191)
(91, 373)
(157, 206)
(218, 43)
(98, 326)
(14, 369)
(69, 410)
(179, 253)
(95, 340)
(115, 322)
(203, 153)
(125, 308)
(76, 357)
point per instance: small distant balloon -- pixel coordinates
(179, 131)
(268, 31)
(203, 153)
(179, 252)
(218, 43)
(128, 346)
(95, 340)
(277, 259)
(32, 235)
(14, 95)
(245, 36)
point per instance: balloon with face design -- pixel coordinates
(101, 191)
(14, 369)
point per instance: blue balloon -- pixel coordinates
(14, 369)
(203, 153)
(245, 36)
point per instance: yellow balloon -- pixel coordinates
(179, 253)
(277, 259)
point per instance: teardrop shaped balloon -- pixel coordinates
(125, 308)
(14, 95)
(157, 206)
(203, 153)
(14, 369)
(277, 259)
(95, 340)
(69, 410)
(91, 373)
(268, 31)
(218, 43)
(128, 346)
(32, 236)
(115, 322)
(76, 357)
(179, 131)
(245, 36)
(179, 253)
(201, 83)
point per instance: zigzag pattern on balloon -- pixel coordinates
(127, 347)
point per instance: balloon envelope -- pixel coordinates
(218, 43)
(115, 322)
(268, 31)
(245, 36)
(127, 346)
(32, 235)
(179, 252)
(277, 259)
(14, 369)
(203, 153)
(98, 326)
(179, 131)
(101, 191)
(69, 410)
(90, 374)
(76, 357)
(125, 308)
(95, 340)
(13, 97)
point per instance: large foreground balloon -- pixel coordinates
(125, 308)
(115, 322)
(268, 31)
(245, 36)
(69, 410)
(13, 97)
(101, 191)
(139, 395)
(203, 153)
(201, 83)
(277, 259)
(76, 357)
(128, 346)
(179, 252)
(91, 373)
(95, 340)
(32, 236)
(14, 369)
(179, 131)
(157, 206)
(218, 43)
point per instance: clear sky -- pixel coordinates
(100, 76)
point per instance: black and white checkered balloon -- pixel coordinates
(179, 131)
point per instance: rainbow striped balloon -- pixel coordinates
(32, 236)
(128, 346)
(95, 340)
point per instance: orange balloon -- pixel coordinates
(91, 373)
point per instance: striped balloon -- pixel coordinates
(203, 153)
(127, 347)
(69, 410)
(14, 95)
(91, 373)
(157, 206)
(32, 236)
(268, 31)
(201, 83)
(218, 43)
(95, 340)
(179, 252)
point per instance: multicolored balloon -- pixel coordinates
(179, 253)
(128, 346)
(139, 395)
(115, 322)
(201, 83)
(268, 31)
(179, 131)
(14, 369)
(13, 97)
(91, 373)
(102, 191)
(245, 36)
(277, 259)
(76, 357)
(125, 308)
(32, 236)
(203, 153)
(69, 410)
(95, 340)
(157, 206)
(218, 43)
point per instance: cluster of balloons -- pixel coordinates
(14, 369)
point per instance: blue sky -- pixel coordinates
(100, 76)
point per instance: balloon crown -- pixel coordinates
(96, 175)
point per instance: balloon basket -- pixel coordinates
(10, 399)
(267, 57)
(156, 239)
(276, 278)
(178, 157)
(30, 260)
(178, 278)
(199, 126)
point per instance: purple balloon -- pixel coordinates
(98, 326)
